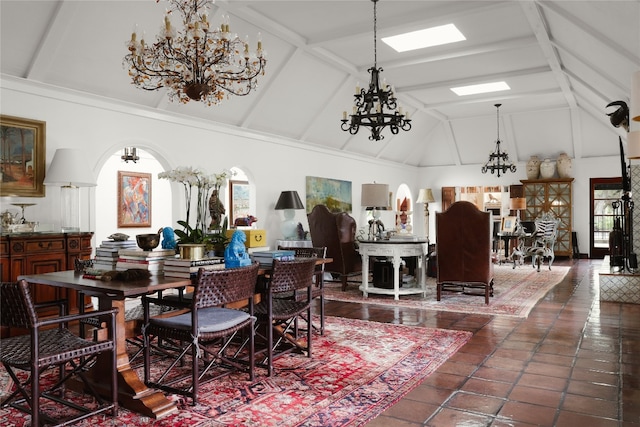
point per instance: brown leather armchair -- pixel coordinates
(464, 249)
(336, 232)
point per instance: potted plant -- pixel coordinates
(194, 240)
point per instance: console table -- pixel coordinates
(395, 249)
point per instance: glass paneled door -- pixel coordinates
(604, 191)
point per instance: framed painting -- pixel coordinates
(22, 157)
(134, 199)
(335, 194)
(508, 224)
(239, 207)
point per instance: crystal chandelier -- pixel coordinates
(375, 108)
(498, 160)
(198, 62)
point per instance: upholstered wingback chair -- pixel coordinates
(336, 232)
(463, 247)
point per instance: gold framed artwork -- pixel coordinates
(335, 194)
(134, 199)
(22, 157)
(508, 224)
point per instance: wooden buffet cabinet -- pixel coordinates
(44, 252)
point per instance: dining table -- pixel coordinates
(133, 394)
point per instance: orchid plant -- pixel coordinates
(203, 183)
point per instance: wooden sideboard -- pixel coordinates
(44, 252)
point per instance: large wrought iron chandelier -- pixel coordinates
(377, 107)
(498, 159)
(197, 62)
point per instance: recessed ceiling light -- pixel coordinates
(481, 88)
(434, 36)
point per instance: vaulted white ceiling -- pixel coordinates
(564, 60)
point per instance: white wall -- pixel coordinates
(101, 128)
(273, 164)
(583, 169)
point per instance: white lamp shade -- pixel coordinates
(425, 195)
(69, 168)
(375, 195)
(634, 109)
(633, 144)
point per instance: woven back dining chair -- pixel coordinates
(204, 343)
(278, 313)
(49, 344)
(318, 289)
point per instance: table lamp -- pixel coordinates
(376, 197)
(69, 171)
(289, 201)
(425, 195)
(518, 204)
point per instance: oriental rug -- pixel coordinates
(515, 293)
(358, 370)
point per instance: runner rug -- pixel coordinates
(358, 370)
(515, 292)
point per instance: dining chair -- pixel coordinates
(208, 334)
(46, 346)
(276, 312)
(318, 289)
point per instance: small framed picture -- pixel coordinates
(508, 224)
(134, 199)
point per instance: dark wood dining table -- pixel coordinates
(133, 393)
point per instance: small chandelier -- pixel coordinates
(130, 153)
(498, 160)
(375, 108)
(197, 62)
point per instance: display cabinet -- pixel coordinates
(551, 195)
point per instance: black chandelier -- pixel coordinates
(377, 107)
(498, 160)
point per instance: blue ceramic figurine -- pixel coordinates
(235, 254)
(168, 238)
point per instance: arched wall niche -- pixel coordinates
(404, 220)
(163, 193)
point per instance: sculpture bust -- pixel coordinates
(235, 254)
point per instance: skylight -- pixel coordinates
(434, 36)
(480, 88)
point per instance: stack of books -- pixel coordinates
(188, 268)
(107, 253)
(152, 260)
(267, 257)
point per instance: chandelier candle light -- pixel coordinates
(198, 62)
(377, 107)
(498, 160)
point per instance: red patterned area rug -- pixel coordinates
(358, 370)
(515, 292)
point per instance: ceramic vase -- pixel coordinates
(533, 167)
(564, 166)
(547, 169)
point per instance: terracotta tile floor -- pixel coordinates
(573, 362)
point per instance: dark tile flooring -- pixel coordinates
(575, 361)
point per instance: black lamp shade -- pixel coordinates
(289, 200)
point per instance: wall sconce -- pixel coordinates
(130, 153)
(425, 195)
(69, 171)
(289, 201)
(375, 196)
